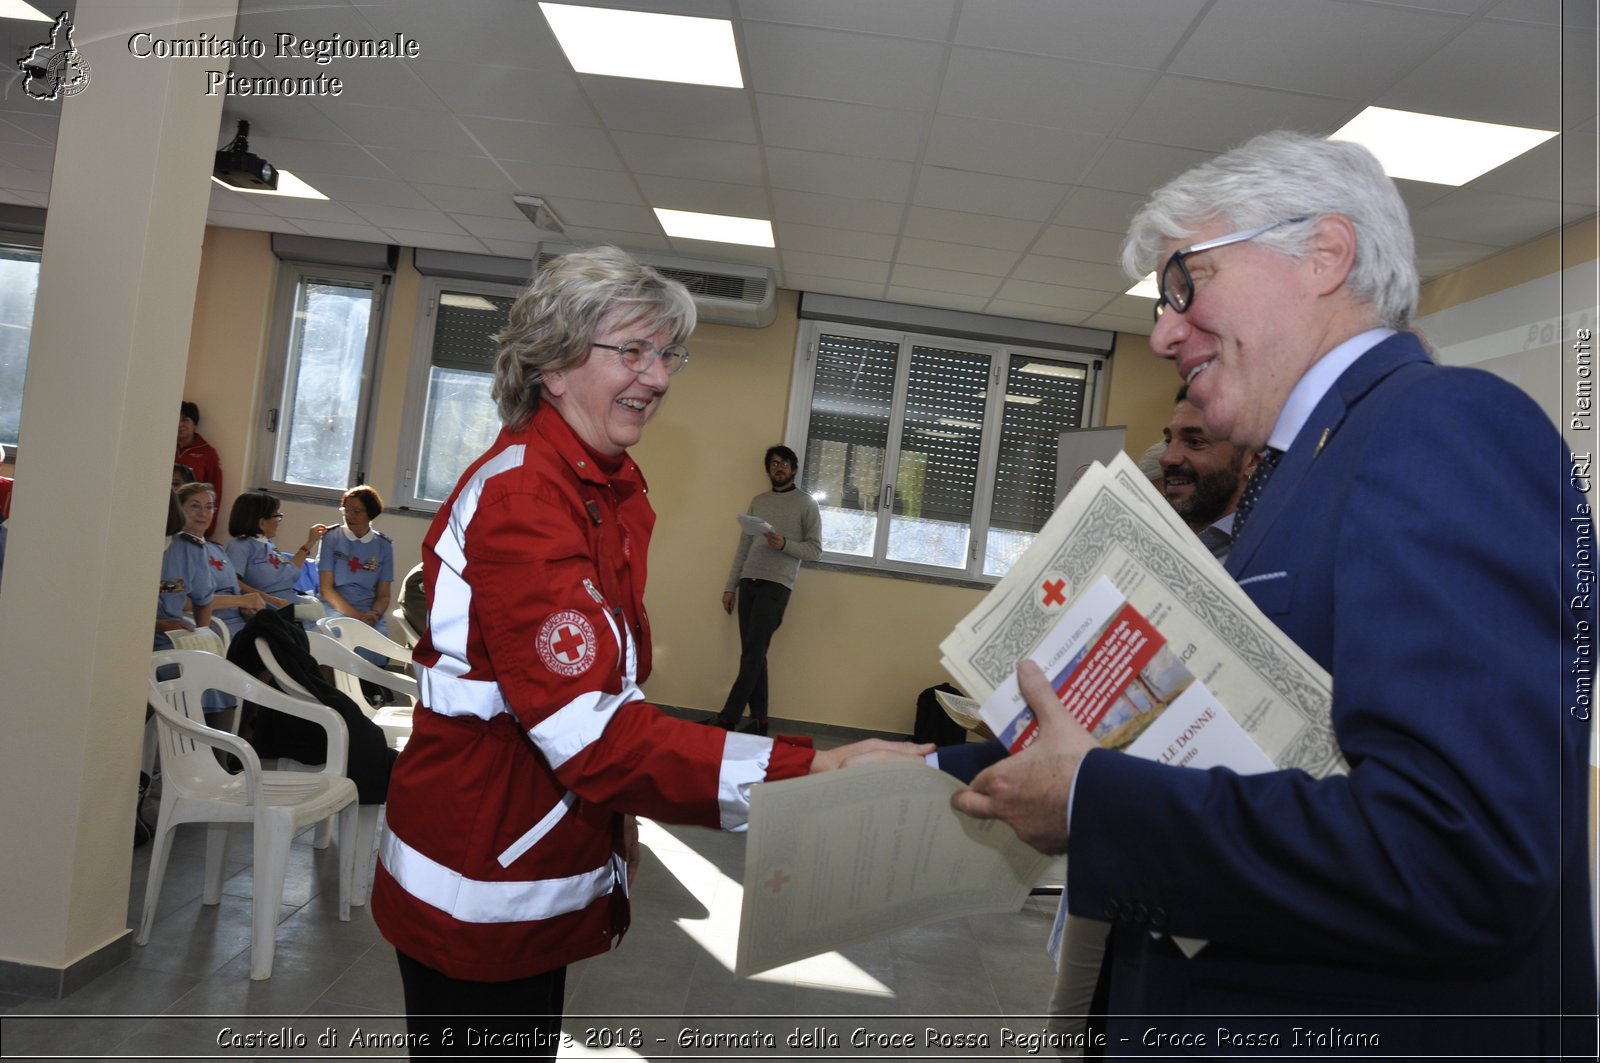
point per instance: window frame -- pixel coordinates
(419, 378)
(276, 376)
(30, 246)
(1000, 354)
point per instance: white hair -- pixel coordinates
(1282, 175)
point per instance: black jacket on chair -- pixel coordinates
(276, 734)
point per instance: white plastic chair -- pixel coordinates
(398, 623)
(396, 724)
(356, 635)
(278, 804)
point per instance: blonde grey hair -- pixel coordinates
(1282, 175)
(552, 324)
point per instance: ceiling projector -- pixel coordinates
(236, 166)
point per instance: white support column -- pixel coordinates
(127, 210)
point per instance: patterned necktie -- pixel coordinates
(1253, 489)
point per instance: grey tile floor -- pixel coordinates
(667, 992)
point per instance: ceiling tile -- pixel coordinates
(921, 19)
(1054, 93)
(310, 210)
(589, 214)
(825, 240)
(1250, 42)
(543, 179)
(1007, 197)
(1438, 255)
(1053, 295)
(301, 157)
(480, 201)
(716, 252)
(1496, 72)
(1134, 326)
(838, 175)
(1032, 312)
(546, 94)
(1138, 33)
(835, 212)
(437, 241)
(570, 145)
(1084, 245)
(427, 221)
(826, 285)
(707, 197)
(1072, 274)
(1131, 306)
(358, 190)
(1559, 169)
(850, 68)
(702, 111)
(1130, 166)
(1011, 150)
(1215, 116)
(1099, 208)
(960, 227)
(699, 160)
(1570, 14)
(278, 116)
(897, 293)
(396, 127)
(850, 269)
(504, 32)
(944, 280)
(1492, 217)
(440, 168)
(626, 241)
(988, 260)
(844, 128)
(260, 222)
(523, 249)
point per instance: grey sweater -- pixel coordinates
(792, 514)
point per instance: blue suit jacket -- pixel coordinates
(1417, 541)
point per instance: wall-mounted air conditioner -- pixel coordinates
(725, 293)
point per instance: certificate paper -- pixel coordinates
(851, 855)
(753, 525)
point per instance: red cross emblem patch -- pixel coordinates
(566, 643)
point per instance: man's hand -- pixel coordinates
(1029, 790)
(776, 540)
(727, 602)
(870, 751)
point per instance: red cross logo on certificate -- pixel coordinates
(1054, 592)
(780, 878)
(566, 643)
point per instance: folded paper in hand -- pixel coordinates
(753, 525)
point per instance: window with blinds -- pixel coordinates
(932, 455)
(458, 418)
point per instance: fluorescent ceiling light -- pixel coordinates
(1068, 372)
(288, 185)
(1146, 288)
(19, 10)
(463, 301)
(718, 228)
(1444, 151)
(646, 45)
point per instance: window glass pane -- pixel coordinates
(1043, 399)
(327, 355)
(847, 437)
(938, 472)
(460, 424)
(19, 286)
(459, 418)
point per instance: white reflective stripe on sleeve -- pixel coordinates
(568, 731)
(474, 901)
(540, 829)
(451, 601)
(744, 763)
(450, 695)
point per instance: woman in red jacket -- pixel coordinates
(511, 834)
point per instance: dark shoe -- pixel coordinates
(717, 721)
(755, 727)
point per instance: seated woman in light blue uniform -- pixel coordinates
(228, 603)
(253, 524)
(356, 566)
(185, 578)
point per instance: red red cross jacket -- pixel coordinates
(503, 857)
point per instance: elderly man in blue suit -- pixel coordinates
(1413, 528)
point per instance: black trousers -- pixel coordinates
(452, 1017)
(761, 606)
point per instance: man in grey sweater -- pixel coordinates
(763, 573)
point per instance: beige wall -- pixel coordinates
(855, 649)
(1577, 243)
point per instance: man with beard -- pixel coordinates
(763, 574)
(1203, 477)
